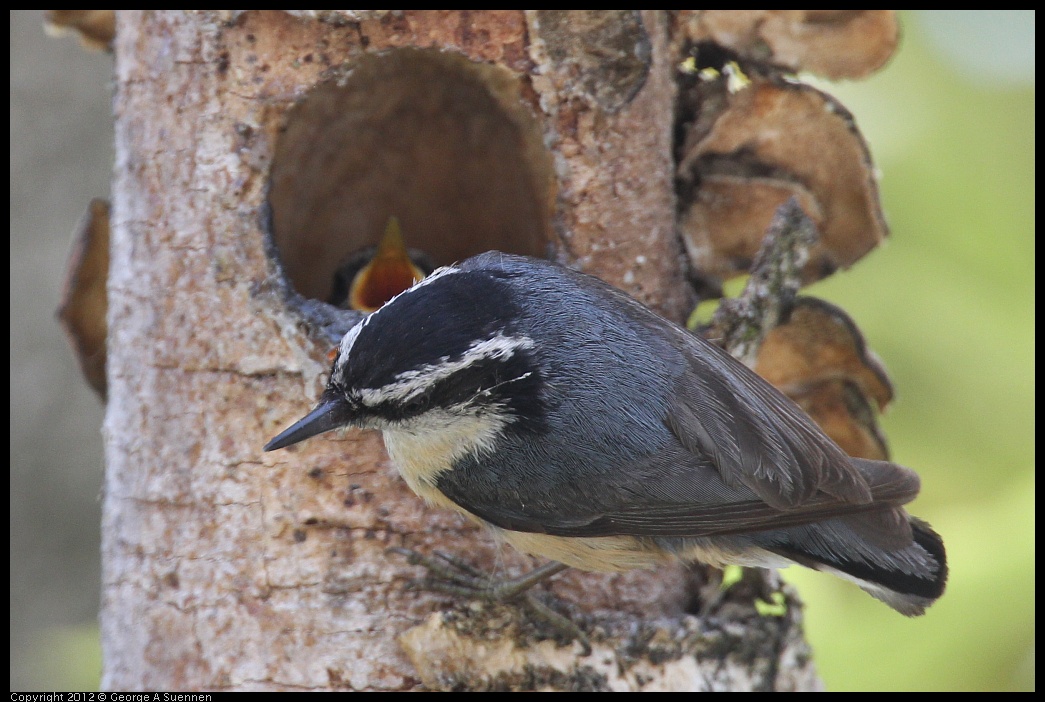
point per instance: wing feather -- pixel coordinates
(755, 435)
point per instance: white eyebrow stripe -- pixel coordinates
(433, 276)
(349, 339)
(412, 383)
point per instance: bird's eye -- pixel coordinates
(414, 405)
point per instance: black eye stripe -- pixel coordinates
(441, 320)
(511, 385)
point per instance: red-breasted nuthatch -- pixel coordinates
(582, 427)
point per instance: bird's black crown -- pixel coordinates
(450, 343)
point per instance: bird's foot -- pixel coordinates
(453, 576)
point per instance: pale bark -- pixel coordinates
(227, 568)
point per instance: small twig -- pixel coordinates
(740, 324)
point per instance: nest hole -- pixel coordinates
(441, 143)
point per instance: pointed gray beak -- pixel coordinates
(329, 414)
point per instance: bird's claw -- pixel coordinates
(452, 576)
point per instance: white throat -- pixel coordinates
(424, 447)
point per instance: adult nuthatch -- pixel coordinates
(582, 427)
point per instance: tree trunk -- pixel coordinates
(254, 152)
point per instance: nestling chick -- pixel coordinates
(370, 277)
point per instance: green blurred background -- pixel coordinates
(947, 303)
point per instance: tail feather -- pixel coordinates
(893, 556)
(908, 578)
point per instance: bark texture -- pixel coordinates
(227, 568)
